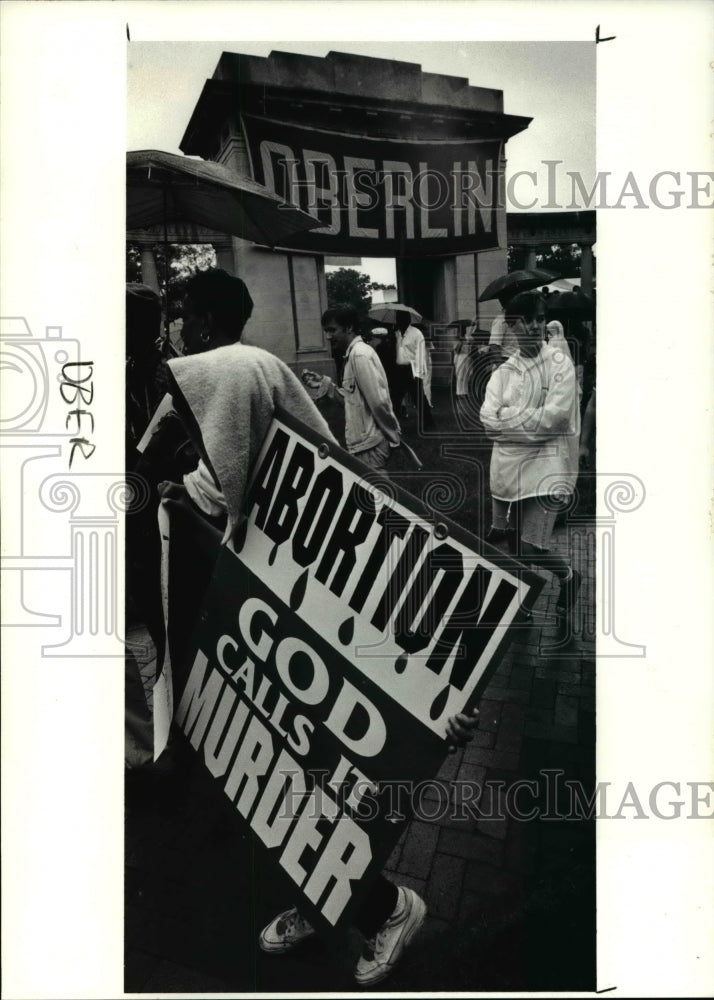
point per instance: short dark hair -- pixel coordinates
(226, 297)
(344, 316)
(524, 306)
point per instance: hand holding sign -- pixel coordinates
(458, 729)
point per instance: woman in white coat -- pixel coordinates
(531, 413)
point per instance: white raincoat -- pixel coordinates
(531, 413)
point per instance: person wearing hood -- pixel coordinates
(531, 412)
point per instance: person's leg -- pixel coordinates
(396, 389)
(377, 907)
(535, 532)
(425, 421)
(389, 918)
(502, 531)
(408, 384)
(535, 523)
(376, 458)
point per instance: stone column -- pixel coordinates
(224, 255)
(149, 274)
(530, 258)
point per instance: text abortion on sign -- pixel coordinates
(342, 628)
(381, 196)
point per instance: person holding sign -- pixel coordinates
(227, 393)
(531, 412)
(390, 916)
(224, 395)
(371, 428)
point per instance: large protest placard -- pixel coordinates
(344, 624)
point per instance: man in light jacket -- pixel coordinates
(371, 428)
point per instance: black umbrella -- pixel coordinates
(515, 282)
(573, 305)
(165, 188)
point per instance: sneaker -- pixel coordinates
(285, 932)
(382, 952)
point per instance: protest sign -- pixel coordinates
(344, 624)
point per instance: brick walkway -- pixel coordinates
(511, 902)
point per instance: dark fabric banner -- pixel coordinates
(380, 197)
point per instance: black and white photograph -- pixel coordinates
(458, 385)
(355, 654)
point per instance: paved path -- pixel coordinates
(511, 903)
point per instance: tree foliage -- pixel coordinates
(561, 258)
(185, 259)
(348, 287)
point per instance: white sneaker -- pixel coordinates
(285, 932)
(382, 952)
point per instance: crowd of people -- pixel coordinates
(195, 424)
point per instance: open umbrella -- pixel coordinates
(165, 188)
(563, 285)
(575, 305)
(387, 313)
(515, 282)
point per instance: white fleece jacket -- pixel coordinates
(232, 393)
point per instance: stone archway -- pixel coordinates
(316, 130)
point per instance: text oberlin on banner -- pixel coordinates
(342, 627)
(402, 197)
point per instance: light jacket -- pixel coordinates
(232, 393)
(369, 417)
(531, 412)
(411, 350)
